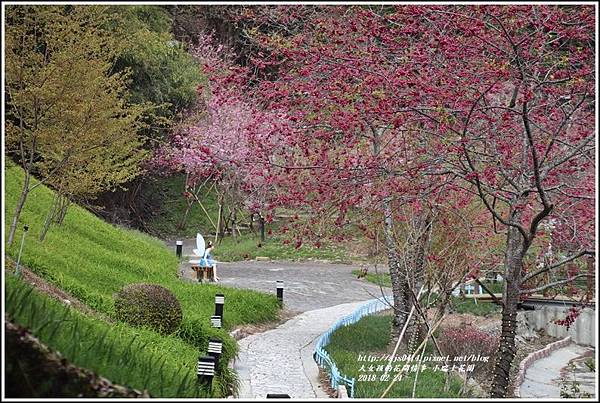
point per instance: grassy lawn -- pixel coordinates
(475, 308)
(495, 287)
(166, 225)
(382, 279)
(246, 247)
(91, 260)
(371, 336)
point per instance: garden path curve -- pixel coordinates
(543, 377)
(280, 360)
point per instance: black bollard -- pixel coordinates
(215, 348)
(280, 292)
(219, 302)
(206, 370)
(178, 248)
(215, 321)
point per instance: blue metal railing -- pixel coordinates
(322, 357)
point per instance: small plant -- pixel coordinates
(591, 364)
(461, 341)
(571, 389)
(149, 305)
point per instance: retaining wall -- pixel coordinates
(581, 332)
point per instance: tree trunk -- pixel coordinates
(219, 223)
(183, 221)
(261, 223)
(233, 225)
(62, 212)
(515, 251)
(397, 277)
(252, 222)
(18, 209)
(51, 216)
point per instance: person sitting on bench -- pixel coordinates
(207, 260)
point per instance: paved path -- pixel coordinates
(307, 285)
(281, 361)
(543, 377)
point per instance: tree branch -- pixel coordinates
(557, 265)
(544, 287)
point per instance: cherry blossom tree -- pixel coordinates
(217, 144)
(517, 109)
(354, 115)
(391, 104)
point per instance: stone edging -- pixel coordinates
(536, 355)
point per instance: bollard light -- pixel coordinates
(219, 302)
(215, 321)
(215, 348)
(280, 292)
(206, 369)
(178, 248)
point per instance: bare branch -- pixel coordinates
(550, 285)
(557, 264)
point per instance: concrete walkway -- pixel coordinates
(281, 361)
(543, 378)
(307, 285)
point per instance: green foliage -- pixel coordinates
(136, 357)
(66, 105)
(591, 364)
(371, 336)
(382, 279)
(494, 286)
(173, 206)
(479, 308)
(162, 72)
(246, 247)
(148, 305)
(168, 221)
(92, 260)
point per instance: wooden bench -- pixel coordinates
(204, 273)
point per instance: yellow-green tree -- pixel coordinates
(68, 119)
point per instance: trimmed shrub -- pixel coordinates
(148, 305)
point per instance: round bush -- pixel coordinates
(148, 305)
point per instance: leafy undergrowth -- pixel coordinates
(477, 308)
(167, 222)
(92, 260)
(371, 336)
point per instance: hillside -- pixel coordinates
(91, 260)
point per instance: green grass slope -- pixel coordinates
(92, 260)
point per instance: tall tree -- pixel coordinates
(516, 104)
(497, 99)
(64, 103)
